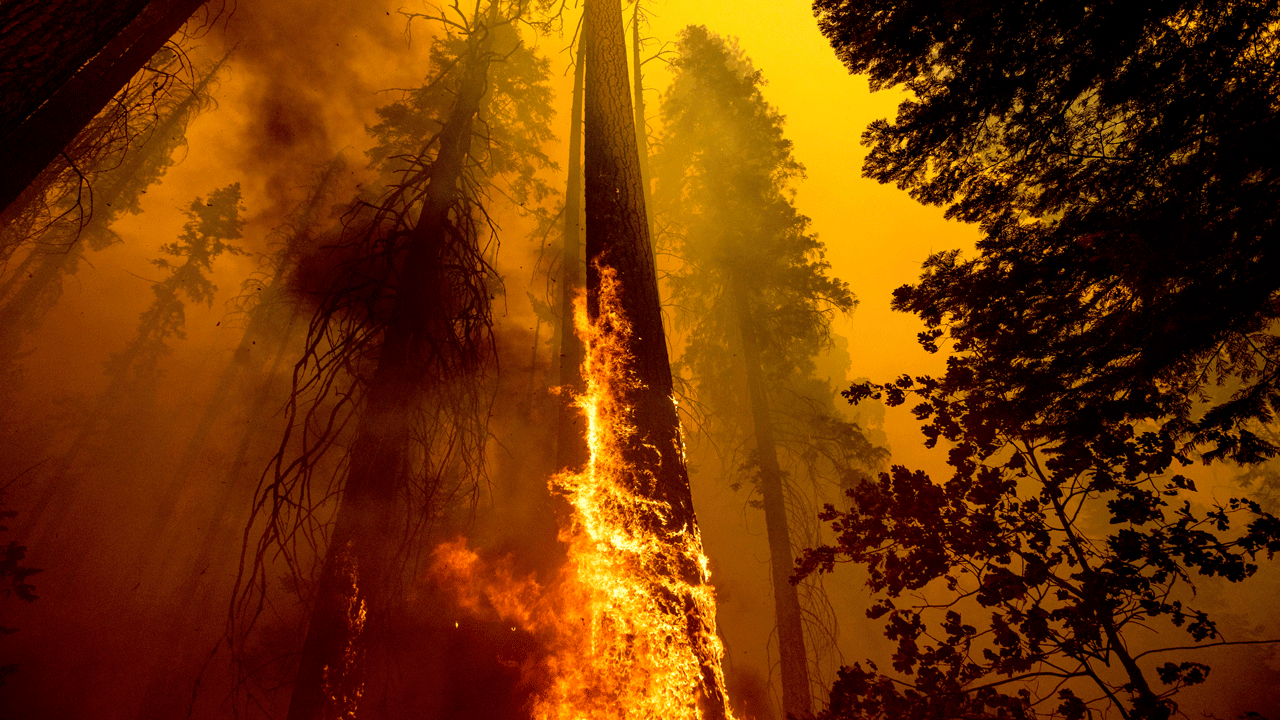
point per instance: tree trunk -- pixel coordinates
(796, 698)
(618, 240)
(360, 557)
(571, 445)
(21, 315)
(37, 137)
(642, 126)
(32, 67)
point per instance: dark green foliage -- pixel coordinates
(1116, 325)
(1121, 161)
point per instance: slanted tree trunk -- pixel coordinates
(22, 313)
(571, 446)
(796, 698)
(32, 67)
(360, 558)
(39, 127)
(618, 240)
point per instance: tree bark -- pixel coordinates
(642, 126)
(571, 444)
(796, 696)
(359, 560)
(32, 67)
(37, 137)
(618, 240)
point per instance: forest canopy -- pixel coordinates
(1115, 326)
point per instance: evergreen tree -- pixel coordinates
(398, 349)
(756, 292)
(213, 223)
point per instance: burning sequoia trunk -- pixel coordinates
(619, 259)
(571, 445)
(796, 698)
(101, 45)
(418, 343)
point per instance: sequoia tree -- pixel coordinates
(64, 62)
(398, 347)
(618, 245)
(1117, 159)
(753, 285)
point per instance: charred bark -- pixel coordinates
(796, 696)
(618, 240)
(35, 136)
(417, 349)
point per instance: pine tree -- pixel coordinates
(756, 292)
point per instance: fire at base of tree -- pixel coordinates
(328, 393)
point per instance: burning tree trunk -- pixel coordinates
(37, 130)
(420, 346)
(619, 254)
(571, 446)
(796, 698)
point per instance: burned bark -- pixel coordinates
(39, 127)
(571, 445)
(618, 241)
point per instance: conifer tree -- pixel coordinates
(756, 292)
(213, 223)
(398, 348)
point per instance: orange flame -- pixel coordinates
(630, 634)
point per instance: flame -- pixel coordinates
(630, 623)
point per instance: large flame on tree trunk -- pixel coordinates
(630, 623)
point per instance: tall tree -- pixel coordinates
(755, 289)
(405, 308)
(571, 444)
(213, 223)
(618, 246)
(122, 174)
(96, 48)
(1114, 156)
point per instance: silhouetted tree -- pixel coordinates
(211, 226)
(755, 290)
(398, 348)
(1116, 158)
(69, 58)
(618, 243)
(123, 168)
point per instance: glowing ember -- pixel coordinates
(630, 625)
